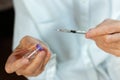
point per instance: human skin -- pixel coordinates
(24, 66)
(107, 36)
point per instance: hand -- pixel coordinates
(107, 36)
(22, 65)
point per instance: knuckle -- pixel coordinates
(27, 37)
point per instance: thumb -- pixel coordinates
(98, 31)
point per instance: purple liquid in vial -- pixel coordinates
(39, 47)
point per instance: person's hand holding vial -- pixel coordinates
(29, 58)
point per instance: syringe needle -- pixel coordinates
(72, 31)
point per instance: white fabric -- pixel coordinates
(73, 56)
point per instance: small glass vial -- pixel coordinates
(31, 55)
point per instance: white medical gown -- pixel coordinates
(73, 56)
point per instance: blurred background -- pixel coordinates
(6, 36)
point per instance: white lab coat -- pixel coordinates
(73, 56)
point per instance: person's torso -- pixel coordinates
(77, 57)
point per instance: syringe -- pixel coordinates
(72, 31)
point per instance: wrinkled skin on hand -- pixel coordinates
(107, 36)
(22, 65)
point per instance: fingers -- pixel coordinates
(36, 66)
(24, 66)
(99, 31)
(47, 58)
(39, 70)
(29, 68)
(10, 68)
(42, 66)
(113, 38)
(105, 28)
(35, 63)
(108, 39)
(28, 42)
